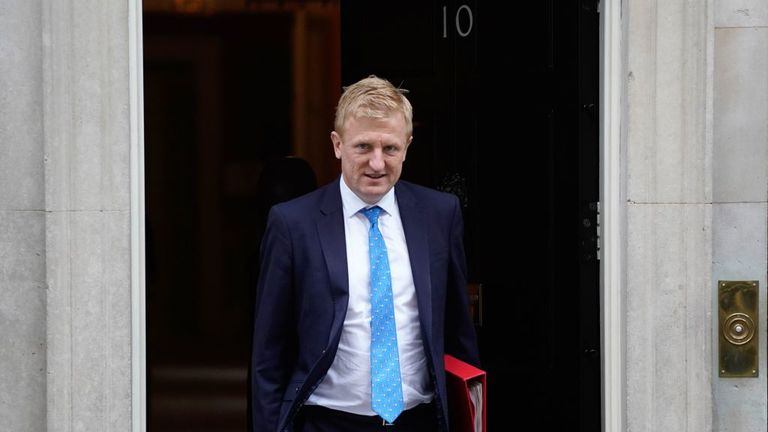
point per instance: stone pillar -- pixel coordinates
(669, 216)
(22, 219)
(87, 201)
(740, 188)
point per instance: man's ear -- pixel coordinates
(336, 140)
(407, 144)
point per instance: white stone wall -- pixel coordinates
(740, 188)
(65, 312)
(668, 160)
(697, 189)
(22, 219)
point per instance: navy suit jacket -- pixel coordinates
(303, 291)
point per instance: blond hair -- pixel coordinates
(373, 97)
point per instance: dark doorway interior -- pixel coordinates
(238, 105)
(505, 116)
(505, 106)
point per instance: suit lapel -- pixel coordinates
(415, 228)
(330, 229)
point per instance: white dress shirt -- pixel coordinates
(347, 386)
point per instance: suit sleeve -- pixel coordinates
(460, 336)
(274, 349)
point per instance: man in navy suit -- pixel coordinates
(312, 367)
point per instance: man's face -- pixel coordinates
(372, 152)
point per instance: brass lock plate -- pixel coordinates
(737, 304)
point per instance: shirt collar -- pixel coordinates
(353, 204)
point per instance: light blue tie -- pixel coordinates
(386, 389)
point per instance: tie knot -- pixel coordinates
(372, 213)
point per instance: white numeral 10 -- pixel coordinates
(463, 32)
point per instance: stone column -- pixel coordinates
(669, 216)
(87, 214)
(22, 219)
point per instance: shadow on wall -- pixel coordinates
(281, 180)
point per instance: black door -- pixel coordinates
(505, 116)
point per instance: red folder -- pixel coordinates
(460, 377)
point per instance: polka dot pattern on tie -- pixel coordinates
(386, 388)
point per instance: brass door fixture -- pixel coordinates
(737, 304)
